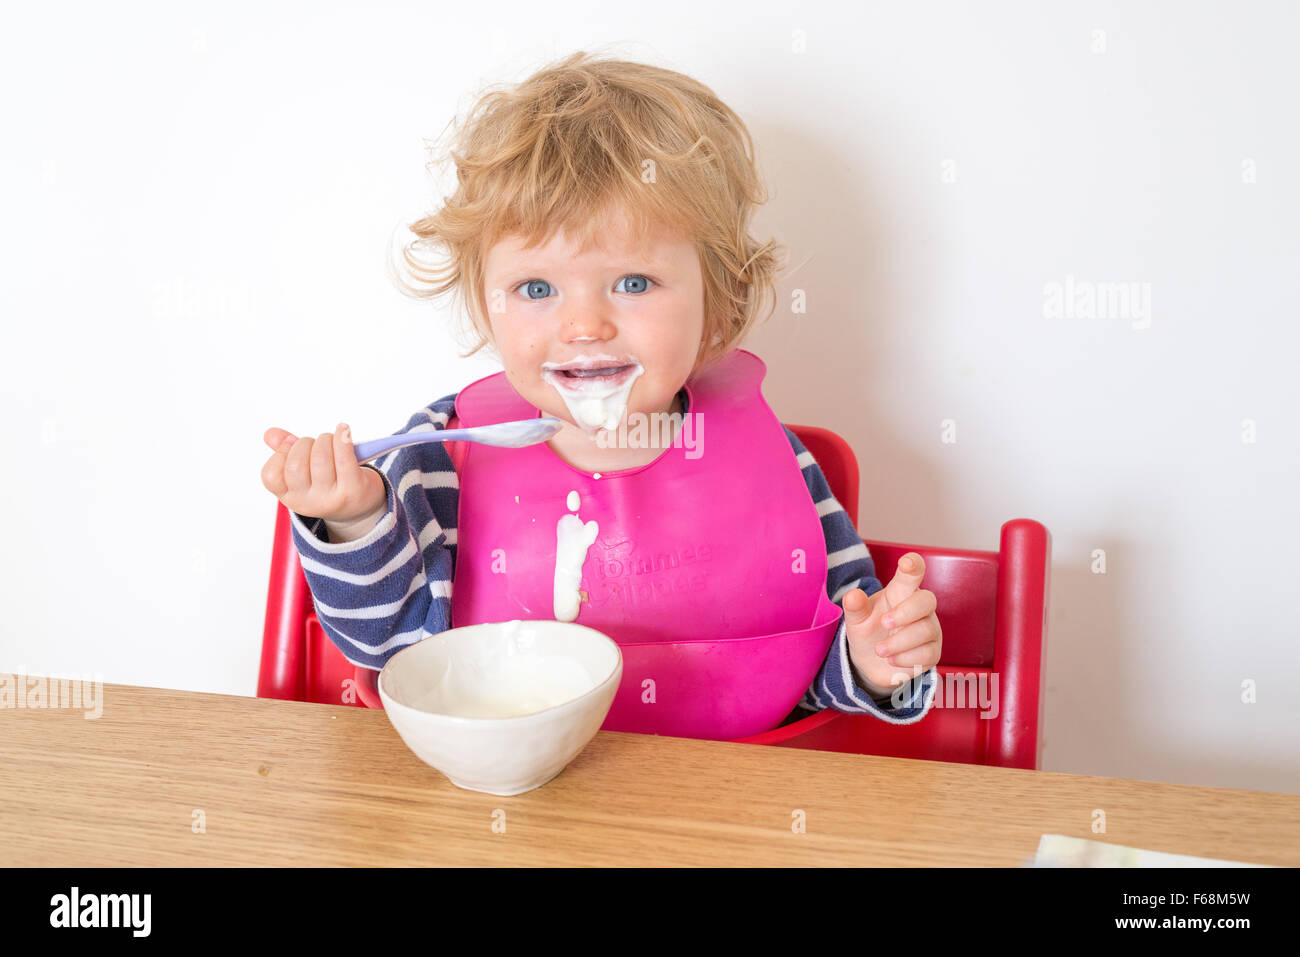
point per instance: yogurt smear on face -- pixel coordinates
(596, 398)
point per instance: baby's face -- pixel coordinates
(635, 302)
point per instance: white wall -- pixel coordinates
(198, 206)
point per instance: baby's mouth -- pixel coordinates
(602, 380)
(597, 396)
(607, 372)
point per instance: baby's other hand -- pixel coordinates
(320, 478)
(894, 634)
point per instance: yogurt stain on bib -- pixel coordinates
(572, 539)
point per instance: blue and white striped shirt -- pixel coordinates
(392, 587)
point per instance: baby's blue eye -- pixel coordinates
(541, 289)
(539, 286)
(639, 283)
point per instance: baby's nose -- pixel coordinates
(587, 330)
(585, 323)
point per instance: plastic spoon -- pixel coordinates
(508, 435)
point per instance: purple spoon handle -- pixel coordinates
(513, 435)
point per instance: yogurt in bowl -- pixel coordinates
(502, 707)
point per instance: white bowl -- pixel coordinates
(502, 707)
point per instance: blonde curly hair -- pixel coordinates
(576, 141)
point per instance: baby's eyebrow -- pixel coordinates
(638, 262)
(631, 263)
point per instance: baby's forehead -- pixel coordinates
(616, 245)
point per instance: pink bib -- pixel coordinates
(709, 568)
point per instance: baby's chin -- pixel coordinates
(592, 435)
(545, 397)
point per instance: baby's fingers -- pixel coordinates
(920, 604)
(273, 470)
(323, 475)
(345, 458)
(911, 569)
(297, 467)
(276, 437)
(858, 608)
(916, 644)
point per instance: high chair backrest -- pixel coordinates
(837, 462)
(992, 607)
(299, 662)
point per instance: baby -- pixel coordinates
(599, 235)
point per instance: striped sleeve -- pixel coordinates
(849, 566)
(391, 587)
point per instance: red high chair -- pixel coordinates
(992, 605)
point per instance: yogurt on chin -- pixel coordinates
(595, 401)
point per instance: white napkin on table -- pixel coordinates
(1057, 850)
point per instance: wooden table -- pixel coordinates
(288, 783)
